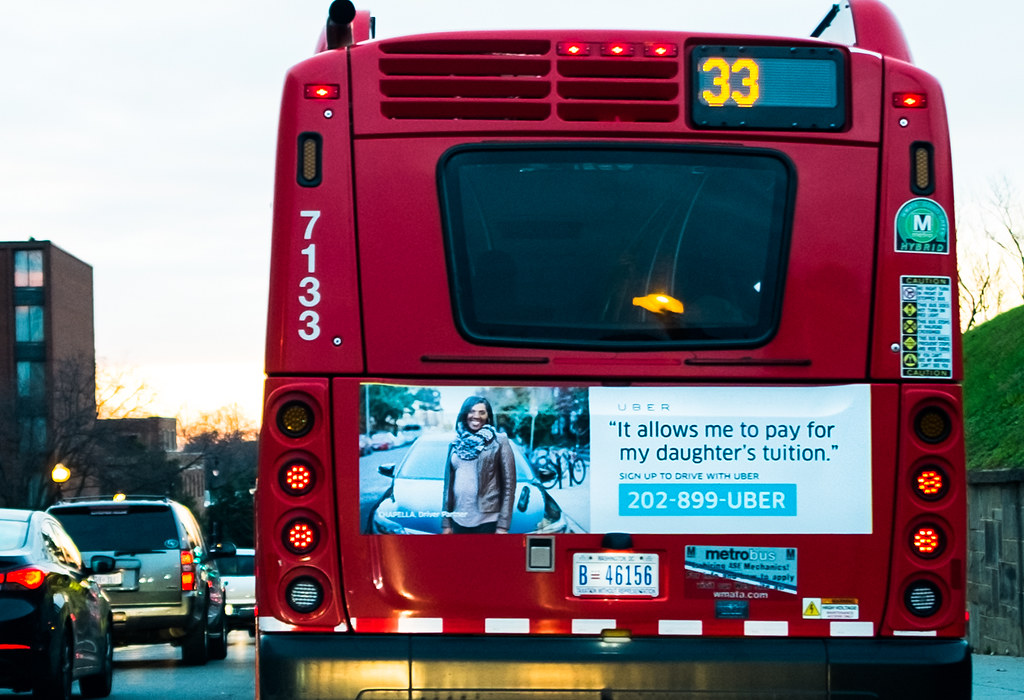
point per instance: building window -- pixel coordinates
(28, 268)
(31, 381)
(33, 434)
(28, 324)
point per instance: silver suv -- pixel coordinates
(165, 587)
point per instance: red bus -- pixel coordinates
(649, 343)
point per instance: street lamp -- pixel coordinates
(60, 474)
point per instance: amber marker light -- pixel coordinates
(295, 419)
(659, 303)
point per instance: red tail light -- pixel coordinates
(930, 482)
(26, 578)
(188, 571)
(296, 478)
(928, 541)
(301, 536)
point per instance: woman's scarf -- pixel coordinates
(468, 445)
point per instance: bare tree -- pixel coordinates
(120, 395)
(1005, 225)
(981, 288)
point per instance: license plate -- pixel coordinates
(615, 574)
(108, 579)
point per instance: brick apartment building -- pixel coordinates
(46, 341)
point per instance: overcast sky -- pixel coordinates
(140, 136)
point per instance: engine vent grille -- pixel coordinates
(521, 80)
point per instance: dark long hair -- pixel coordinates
(468, 404)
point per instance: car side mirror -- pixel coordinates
(387, 470)
(101, 564)
(223, 549)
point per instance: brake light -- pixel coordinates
(930, 482)
(300, 536)
(296, 478)
(928, 541)
(26, 578)
(188, 571)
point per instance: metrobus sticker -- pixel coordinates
(926, 327)
(831, 609)
(922, 227)
(739, 573)
(659, 460)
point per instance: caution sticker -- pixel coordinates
(926, 326)
(831, 609)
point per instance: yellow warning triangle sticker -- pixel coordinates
(812, 610)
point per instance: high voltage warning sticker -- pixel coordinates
(926, 333)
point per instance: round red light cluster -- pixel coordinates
(297, 478)
(928, 541)
(301, 536)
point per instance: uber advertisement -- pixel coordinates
(673, 460)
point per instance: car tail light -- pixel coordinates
(26, 578)
(188, 571)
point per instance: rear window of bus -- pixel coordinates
(616, 247)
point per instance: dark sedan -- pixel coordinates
(55, 622)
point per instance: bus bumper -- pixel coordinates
(301, 666)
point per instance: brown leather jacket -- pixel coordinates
(496, 482)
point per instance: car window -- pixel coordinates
(72, 557)
(12, 534)
(238, 565)
(127, 528)
(52, 543)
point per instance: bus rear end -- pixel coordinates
(700, 290)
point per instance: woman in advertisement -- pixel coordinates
(480, 476)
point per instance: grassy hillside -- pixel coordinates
(994, 392)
